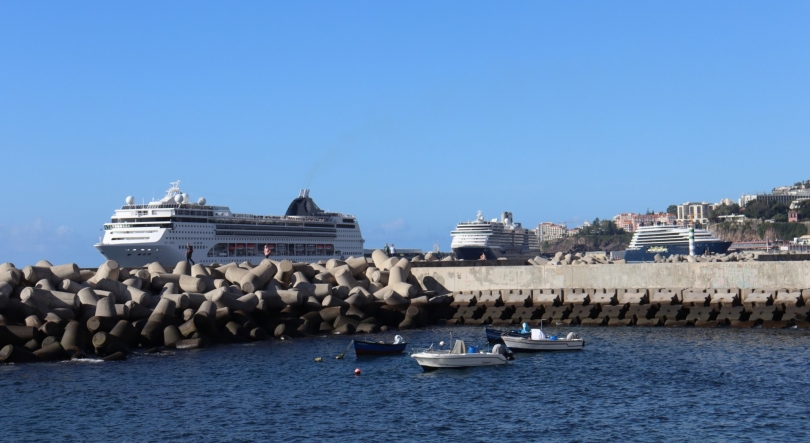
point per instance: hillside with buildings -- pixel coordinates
(584, 244)
(780, 215)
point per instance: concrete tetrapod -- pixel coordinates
(169, 288)
(171, 335)
(182, 268)
(96, 324)
(258, 277)
(5, 293)
(226, 300)
(284, 271)
(87, 297)
(405, 265)
(152, 332)
(67, 271)
(188, 328)
(105, 307)
(378, 256)
(108, 269)
(136, 311)
(181, 301)
(199, 270)
(357, 266)
(17, 354)
(33, 274)
(185, 282)
(269, 301)
(124, 332)
(52, 352)
(396, 275)
(123, 293)
(344, 277)
(205, 318)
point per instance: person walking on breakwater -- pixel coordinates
(387, 250)
(267, 251)
(189, 251)
(393, 250)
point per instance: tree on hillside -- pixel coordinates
(804, 211)
(601, 228)
(764, 210)
(672, 209)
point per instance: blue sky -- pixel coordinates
(410, 115)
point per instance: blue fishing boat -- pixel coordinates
(362, 347)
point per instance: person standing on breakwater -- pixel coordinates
(267, 251)
(387, 250)
(189, 251)
(393, 250)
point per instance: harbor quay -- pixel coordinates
(56, 312)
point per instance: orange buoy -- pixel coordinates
(357, 371)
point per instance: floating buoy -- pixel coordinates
(318, 359)
(441, 343)
(357, 371)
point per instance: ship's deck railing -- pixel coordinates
(177, 206)
(277, 217)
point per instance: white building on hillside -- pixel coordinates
(550, 231)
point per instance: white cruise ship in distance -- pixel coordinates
(494, 239)
(158, 231)
(667, 240)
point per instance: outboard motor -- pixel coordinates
(503, 350)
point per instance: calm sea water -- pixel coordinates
(639, 384)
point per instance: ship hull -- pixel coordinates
(647, 253)
(134, 255)
(474, 253)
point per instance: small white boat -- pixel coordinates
(538, 341)
(461, 356)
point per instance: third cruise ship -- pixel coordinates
(669, 240)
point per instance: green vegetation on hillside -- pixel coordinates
(781, 231)
(602, 233)
(766, 210)
(804, 211)
(759, 209)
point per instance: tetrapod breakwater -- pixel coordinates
(54, 312)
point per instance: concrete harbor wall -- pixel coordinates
(741, 275)
(51, 313)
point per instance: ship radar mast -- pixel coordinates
(173, 195)
(174, 189)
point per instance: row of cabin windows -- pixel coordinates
(276, 249)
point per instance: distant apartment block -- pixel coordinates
(785, 195)
(691, 212)
(631, 221)
(550, 231)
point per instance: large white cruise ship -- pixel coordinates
(494, 239)
(158, 231)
